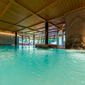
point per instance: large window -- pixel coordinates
(20, 40)
(60, 40)
(25, 39)
(52, 40)
(63, 38)
(43, 40)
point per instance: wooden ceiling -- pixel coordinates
(27, 17)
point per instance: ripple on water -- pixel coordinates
(30, 66)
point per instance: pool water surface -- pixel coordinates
(26, 65)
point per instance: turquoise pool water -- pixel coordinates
(32, 66)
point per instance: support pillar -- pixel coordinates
(29, 39)
(15, 38)
(50, 39)
(22, 40)
(54, 38)
(41, 39)
(57, 39)
(46, 32)
(62, 38)
(75, 30)
(33, 39)
(26, 39)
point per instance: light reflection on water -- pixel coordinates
(26, 65)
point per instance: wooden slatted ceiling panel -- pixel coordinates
(38, 26)
(54, 10)
(73, 4)
(42, 29)
(14, 14)
(57, 21)
(3, 4)
(35, 5)
(20, 10)
(60, 25)
(34, 31)
(60, 7)
(15, 28)
(31, 21)
(52, 33)
(52, 30)
(25, 30)
(4, 26)
(23, 33)
(52, 27)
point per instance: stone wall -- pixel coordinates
(8, 39)
(75, 29)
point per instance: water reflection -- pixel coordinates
(30, 66)
(46, 60)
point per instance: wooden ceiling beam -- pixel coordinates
(55, 25)
(41, 28)
(32, 26)
(6, 9)
(19, 22)
(46, 7)
(13, 1)
(12, 23)
(52, 31)
(48, 30)
(60, 23)
(74, 10)
(56, 18)
(25, 32)
(17, 3)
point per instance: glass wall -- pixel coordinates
(20, 39)
(25, 39)
(43, 40)
(61, 38)
(52, 40)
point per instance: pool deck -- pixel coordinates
(49, 46)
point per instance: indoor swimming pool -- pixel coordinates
(26, 65)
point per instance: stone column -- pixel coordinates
(46, 32)
(75, 29)
(15, 38)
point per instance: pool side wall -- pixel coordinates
(8, 39)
